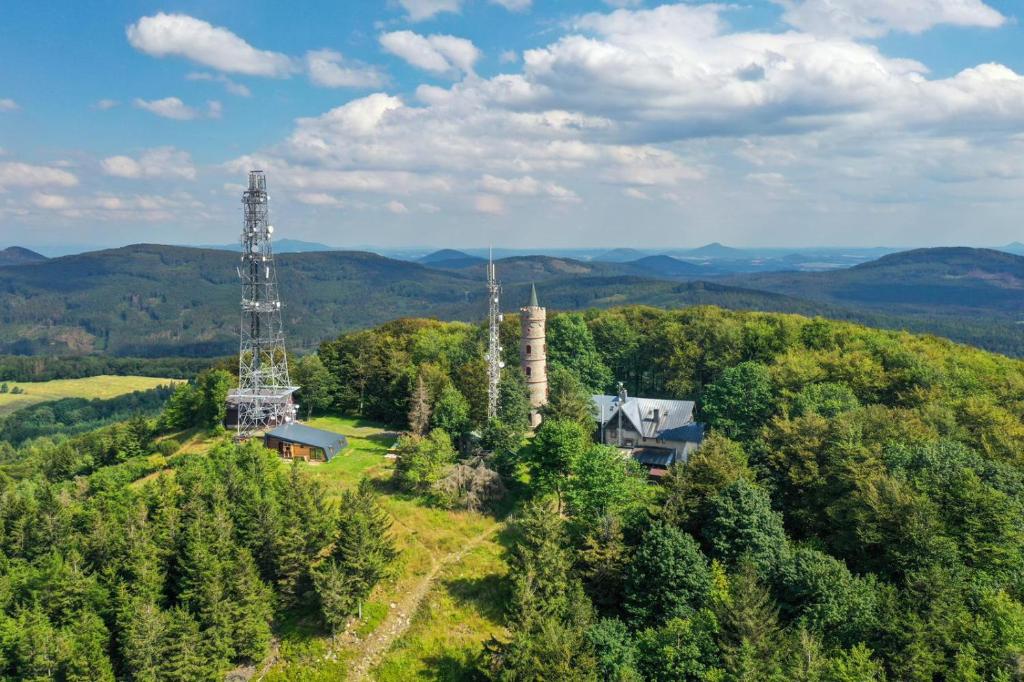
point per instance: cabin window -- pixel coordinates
(528, 349)
(527, 371)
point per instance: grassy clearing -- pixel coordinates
(103, 386)
(462, 611)
(458, 613)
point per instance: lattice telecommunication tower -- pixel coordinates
(494, 363)
(263, 398)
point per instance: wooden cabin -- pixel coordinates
(298, 441)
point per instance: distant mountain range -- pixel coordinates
(164, 300)
(280, 246)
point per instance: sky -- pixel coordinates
(517, 123)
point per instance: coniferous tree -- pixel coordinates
(667, 577)
(182, 657)
(363, 551)
(87, 643)
(603, 563)
(750, 631)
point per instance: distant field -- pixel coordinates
(103, 386)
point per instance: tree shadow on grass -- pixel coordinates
(487, 594)
(386, 438)
(451, 668)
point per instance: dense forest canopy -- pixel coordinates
(856, 511)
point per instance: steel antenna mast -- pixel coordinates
(494, 363)
(264, 395)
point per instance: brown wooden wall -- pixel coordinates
(297, 450)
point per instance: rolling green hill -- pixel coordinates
(151, 300)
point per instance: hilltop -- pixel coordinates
(18, 255)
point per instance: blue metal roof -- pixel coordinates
(293, 432)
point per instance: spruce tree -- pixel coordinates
(182, 657)
(364, 549)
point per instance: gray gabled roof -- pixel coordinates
(674, 417)
(293, 432)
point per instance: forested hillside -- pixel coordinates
(856, 513)
(155, 301)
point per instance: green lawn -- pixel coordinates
(459, 610)
(103, 386)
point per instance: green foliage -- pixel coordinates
(556, 448)
(201, 404)
(568, 399)
(741, 523)
(739, 403)
(826, 399)
(571, 346)
(362, 555)
(422, 462)
(604, 483)
(667, 577)
(690, 485)
(73, 416)
(514, 400)
(314, 382)
(451, 412)
(681, 649)
(615, 651)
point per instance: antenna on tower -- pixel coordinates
(494, 363)
(264, 395)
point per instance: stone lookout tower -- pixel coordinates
(533, 354)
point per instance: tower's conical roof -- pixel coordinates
(533, 296)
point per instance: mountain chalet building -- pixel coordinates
(657, 432)
(298, 441)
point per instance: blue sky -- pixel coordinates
(517, 123)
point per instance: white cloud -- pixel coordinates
(231, 86)
(50, 202)
(439, 54)
(508, 57)
(164, 162)
(180, 35)
(396, 207)
(329, 69)
(318, 199)
(8, 104)
(514, 5)
(669, 103)
(525, 186)
(490, 204)
(168, 107)
(16, 174)
(214, 109)
(874, 18)
(418, 10)
(105, 104)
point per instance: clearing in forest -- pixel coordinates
(103, 386)
(436, 611)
